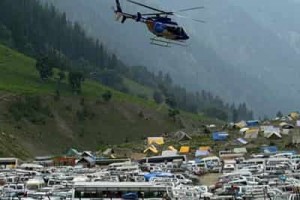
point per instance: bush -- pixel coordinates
(30, 108)
(107, 95)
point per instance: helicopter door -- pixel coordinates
(159, 27)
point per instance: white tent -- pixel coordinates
(243, 130)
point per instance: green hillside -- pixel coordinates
(33, 119)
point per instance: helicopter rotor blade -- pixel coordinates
(196, 20)
(189, 9)
(145, 6)
(159, 13)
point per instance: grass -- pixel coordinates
(138, 89)
(18, 75)
(69, 122)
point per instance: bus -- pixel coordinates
(118, 190)
(164, 159)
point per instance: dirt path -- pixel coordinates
(209, 179)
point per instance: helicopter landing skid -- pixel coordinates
(165, 42)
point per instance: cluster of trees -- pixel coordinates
(42, 32)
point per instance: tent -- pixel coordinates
(251, 133)
(151, 148)
(184, 149)
(240, 150)
(182, 136)
(252, 123)
(205, 148)
(285, 131)
(200, 153)
(72, 153)
(294, 115)
(272, 135)
(169, 153)
(241, 140)
(240, 124)
(155, 140)
(172, 148)
(107, 152)
(269, 149)
(243, 130)
(220, 136)
(285, 125)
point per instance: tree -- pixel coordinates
(43, 67)
(75, 80)
(107, 95)
(158, 97)
(170, 101)
(279, 114)
(216, 113)
(173, 113)
(61, 75)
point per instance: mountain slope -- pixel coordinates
(35, 121)
(232, 55)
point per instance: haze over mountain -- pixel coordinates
(247, 51)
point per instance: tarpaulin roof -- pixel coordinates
(169, 153)
(252, 123)
(184, 149)
(269, 149)
(286, 125)
(199, 153)
(243, 130)
(155, 140)
(241, 124)
(272, 134)
(152, 148)
(241, 140)
(172, 148)
(240, 150)
(220, 136)
(205, 148)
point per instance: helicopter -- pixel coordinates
(166, 31)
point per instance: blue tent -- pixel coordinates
(252, 123)
(220, 136)
(269, 149)
(159, 174)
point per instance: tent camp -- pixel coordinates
(220, 136)
(182, 136)
(184, 149)
(155, 140)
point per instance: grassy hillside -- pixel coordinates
(33, 120)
